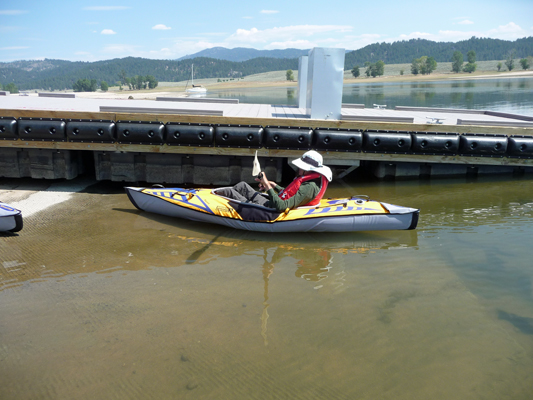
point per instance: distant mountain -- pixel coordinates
(244, 54)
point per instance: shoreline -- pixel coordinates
(177, 89)
(444, 77)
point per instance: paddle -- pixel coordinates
(256, 171)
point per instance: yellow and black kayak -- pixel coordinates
(331, 215)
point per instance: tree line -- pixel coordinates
(403, 52)
(10, 87)
(426, 65)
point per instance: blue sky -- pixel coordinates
(101, 30)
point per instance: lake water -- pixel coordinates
(511, 95)
(101, 301)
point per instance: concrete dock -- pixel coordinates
(156, 141)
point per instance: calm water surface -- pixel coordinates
(101, 301)
(512, 95)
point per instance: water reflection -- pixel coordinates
(313, 254)
(513, 95)
(471, 94)
(291, 92)
(268, 268)
(455, 98)
(310, 249)
(422, 97)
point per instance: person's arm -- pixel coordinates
(304, 195)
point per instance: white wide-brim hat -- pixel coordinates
(312, 161)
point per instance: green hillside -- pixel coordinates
(60, 75)
(406, 51)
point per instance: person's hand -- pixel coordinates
(264, 183)
(263, 188)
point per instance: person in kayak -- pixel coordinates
(302, 191)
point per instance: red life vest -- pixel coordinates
(293, 187)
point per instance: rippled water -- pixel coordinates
(511, 95)
(99, 300)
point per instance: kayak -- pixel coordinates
(10, 218)
(331, 215)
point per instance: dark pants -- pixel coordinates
(244, 193)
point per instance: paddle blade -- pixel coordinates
(256, 168)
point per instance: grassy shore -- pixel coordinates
(393, 73)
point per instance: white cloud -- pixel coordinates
(244, 35)
(12, 12)
(269, 11)
(164, 53)
(161, 27)
(283, 34)
(108, 32)
(291, 44)
(465, 22)
(121, 49)
(440, 36)
(508, 32)
(106, 8)
(351, 42)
